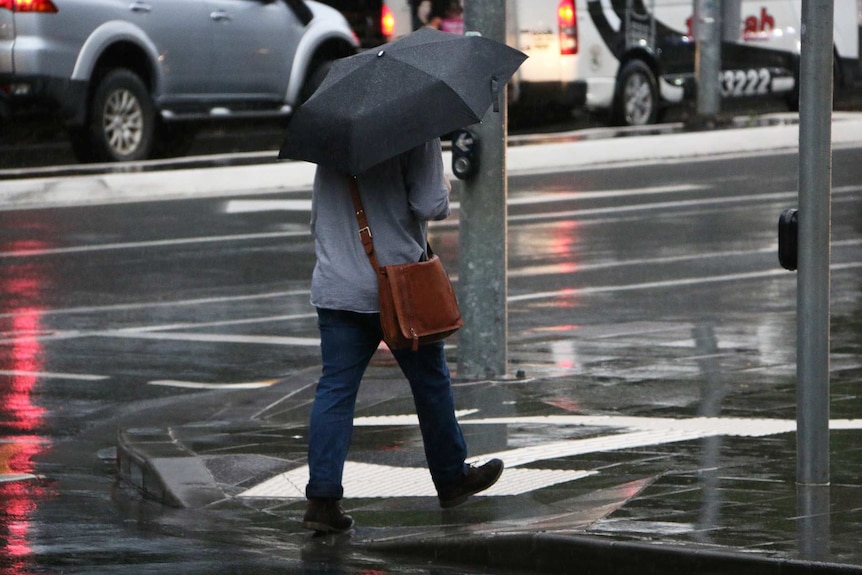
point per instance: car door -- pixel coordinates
(182, 35)
(254, 42)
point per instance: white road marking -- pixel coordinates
(151, 244)
(201, 385)
(213, 338)
(247, 206)
(364, 480)
(222, 323)
(242, 206)
(703, 280)
(640, 207)
(567, 292)
(10, 477)
(267, 205)
(162, 304)
(370, 480)
(535, 199)
(698, 202)
(555, 269)
(160, 332)
(54, 375)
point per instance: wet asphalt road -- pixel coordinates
(120, 306)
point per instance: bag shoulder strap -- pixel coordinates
(362, 220)
(365, 231)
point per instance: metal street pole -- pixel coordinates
(707, 17)
(731, 20)
(813, 280)
(482, 342)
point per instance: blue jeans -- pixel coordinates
(348, 340)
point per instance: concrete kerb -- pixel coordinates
(164, 471)
(160, 467)
(568, 151)
(546, 553)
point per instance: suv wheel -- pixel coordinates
(315, 79)
(121, 123)
(636, 101)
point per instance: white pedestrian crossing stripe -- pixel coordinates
(371, 480)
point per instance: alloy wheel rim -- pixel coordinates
(123, 122)
(638, 100)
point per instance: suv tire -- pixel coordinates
(315, 79)
(121, 121)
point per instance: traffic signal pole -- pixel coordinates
(815, 220)
(708, 29)
(482, 279)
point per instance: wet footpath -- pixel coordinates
(659, 454)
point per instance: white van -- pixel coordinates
(635, 57)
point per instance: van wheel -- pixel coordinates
(121, 121)
(636, 100)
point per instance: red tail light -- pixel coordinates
(387, 21)
(567, 19)
(45, 6)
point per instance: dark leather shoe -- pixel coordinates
(477, 479)
(326, 516)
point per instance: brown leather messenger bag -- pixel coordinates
(417, 301)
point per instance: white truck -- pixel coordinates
(633, 58)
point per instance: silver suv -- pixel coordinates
(131, 79)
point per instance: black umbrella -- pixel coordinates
(376, 104)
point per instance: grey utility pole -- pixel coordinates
(707, 34)
(731, 20)
(813, 280)
(482, 342)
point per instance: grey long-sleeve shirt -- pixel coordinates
(400, 196)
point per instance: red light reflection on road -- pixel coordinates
(565, 237)
(567, 298)
(21, 361)
(550, 250)
(18, 499)
(566, 403)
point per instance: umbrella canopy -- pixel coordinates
(376, 104)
